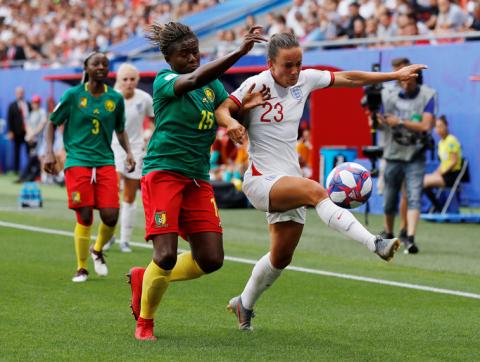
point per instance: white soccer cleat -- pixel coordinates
(80, 276)
(99, 262)
(109, 243)
(125, 247)
(244, 316)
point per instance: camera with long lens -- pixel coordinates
(373, 101)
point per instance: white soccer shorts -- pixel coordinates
(257, 189)
(121, 157)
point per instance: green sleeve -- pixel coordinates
(120, 116)
(163, 85)
(62, 111)
(220, 92)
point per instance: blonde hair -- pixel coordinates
(122, 69)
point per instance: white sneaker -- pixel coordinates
(99, 262)
(125, 247)
(109, 243)
(80, 276)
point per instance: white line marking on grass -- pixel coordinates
(295, 268)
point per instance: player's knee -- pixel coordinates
(165, 260)
(317, 193)
(109, 217)
(84, 216)
(281, 261)
(211, 263)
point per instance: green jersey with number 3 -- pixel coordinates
(89, 125)
(185, 127)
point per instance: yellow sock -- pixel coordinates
(82, 240)
(105, 232)
(186, 268)
(155, 283)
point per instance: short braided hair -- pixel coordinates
(165, 35)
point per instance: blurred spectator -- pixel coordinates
(279, 26)
(34, 125)
(304, 150)
(358, 29)
(64, 31)
(473, 23)
(371, 28)
(368, 8)
(18, 112)
(225, 44)
(450, 155)
(451, 17)
(349, 24)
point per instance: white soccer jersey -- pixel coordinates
(273, 128)
(136, 109)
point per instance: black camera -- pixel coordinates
(373, 94)
(373, 101)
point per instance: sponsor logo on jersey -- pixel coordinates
(270, 178)
(109, 105)
(76, 197)
(161, 219)
(296, 92)
(210, 94)
(83, 102)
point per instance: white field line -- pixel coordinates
(295, 268)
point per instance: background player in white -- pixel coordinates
(273, 181)
(138, 105)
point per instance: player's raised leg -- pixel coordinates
(290, 192)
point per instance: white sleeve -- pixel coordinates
(148, 105)
(319, 78)
(239, 93)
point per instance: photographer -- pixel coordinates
(406, 119)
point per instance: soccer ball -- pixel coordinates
(349, 185)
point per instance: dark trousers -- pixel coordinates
(17, 142)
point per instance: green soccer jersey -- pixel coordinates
(185, 127)
(89, 125)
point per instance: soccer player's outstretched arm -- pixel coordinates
(212, 70)
(353, 79)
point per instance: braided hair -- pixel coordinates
(165, 35)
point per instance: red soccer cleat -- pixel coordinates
(135, 279)
(144, 330)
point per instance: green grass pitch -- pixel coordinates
(303, 317)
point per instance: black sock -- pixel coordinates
(411, 239)
(403, 234)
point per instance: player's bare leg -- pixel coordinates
(290, 192)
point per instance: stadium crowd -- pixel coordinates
(320, 20)
(58, 33)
